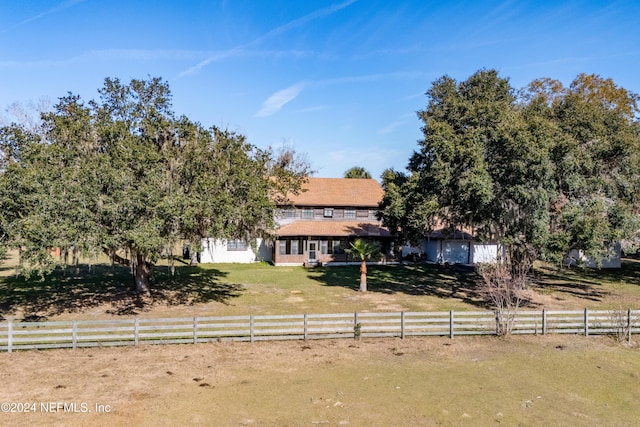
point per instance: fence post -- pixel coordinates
(497, 322)
(586, 322)
(402, 325)
(306, 323)
(629, 326)
(544, 322)
(136, 331)
(74, 334)
(356, 328)
(251, 328)
(195, 330)
(10, 335)
(451, 324)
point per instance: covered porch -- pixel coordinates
(314, 243)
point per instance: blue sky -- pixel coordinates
(338, 80)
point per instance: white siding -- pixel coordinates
(432, 250)
(611, 259)
(484, 252)
(215, 251)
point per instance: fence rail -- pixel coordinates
(99, 333)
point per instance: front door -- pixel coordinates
(313, 252)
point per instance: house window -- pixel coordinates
(324, 247)
(373, 214)
(334, 247)
(350, 213)
(288, 213)
(236, 245)
(362, 214)
(290, 247)
(328, 213)
(307, 213)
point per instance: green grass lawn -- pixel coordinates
(99, 290)
(534, 380)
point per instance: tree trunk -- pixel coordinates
(141, 274)
(363, 276)
(172, 264)
(75, 259)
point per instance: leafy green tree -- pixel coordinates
(479, 166)
(547, 171)
(357, 172)
(124, 176)
(543, 172)
(595, 152)
(363, 250)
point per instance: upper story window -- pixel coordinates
(288, 213)
(350, 213)
(328, 212)
(373, 214)
(236, 245)
(307, 213)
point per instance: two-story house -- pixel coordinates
(315, 228)
(325, 217)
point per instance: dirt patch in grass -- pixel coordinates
(551, 380)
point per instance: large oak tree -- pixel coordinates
(543, 170)
(123, 175)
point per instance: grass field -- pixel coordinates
(471, 381)
(100, 290)
(476, 381)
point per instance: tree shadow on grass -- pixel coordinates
(74, 290)
(462, 282)
(442, 281)
(585, 283)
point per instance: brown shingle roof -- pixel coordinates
(333, 229)
(339, 192)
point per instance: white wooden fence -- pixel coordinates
(98, 333)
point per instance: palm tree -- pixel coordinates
(363, 250)
(357, 172)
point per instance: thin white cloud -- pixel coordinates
(218, 56)
(312, 109)
(370, 77)
(236, 52)
(320, 13)
(144, 55)
(402, 120)
(391, 127)
(413, 96)
(275, 102)
(108, 55)
(64, 5)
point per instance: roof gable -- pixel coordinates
(339, 192)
